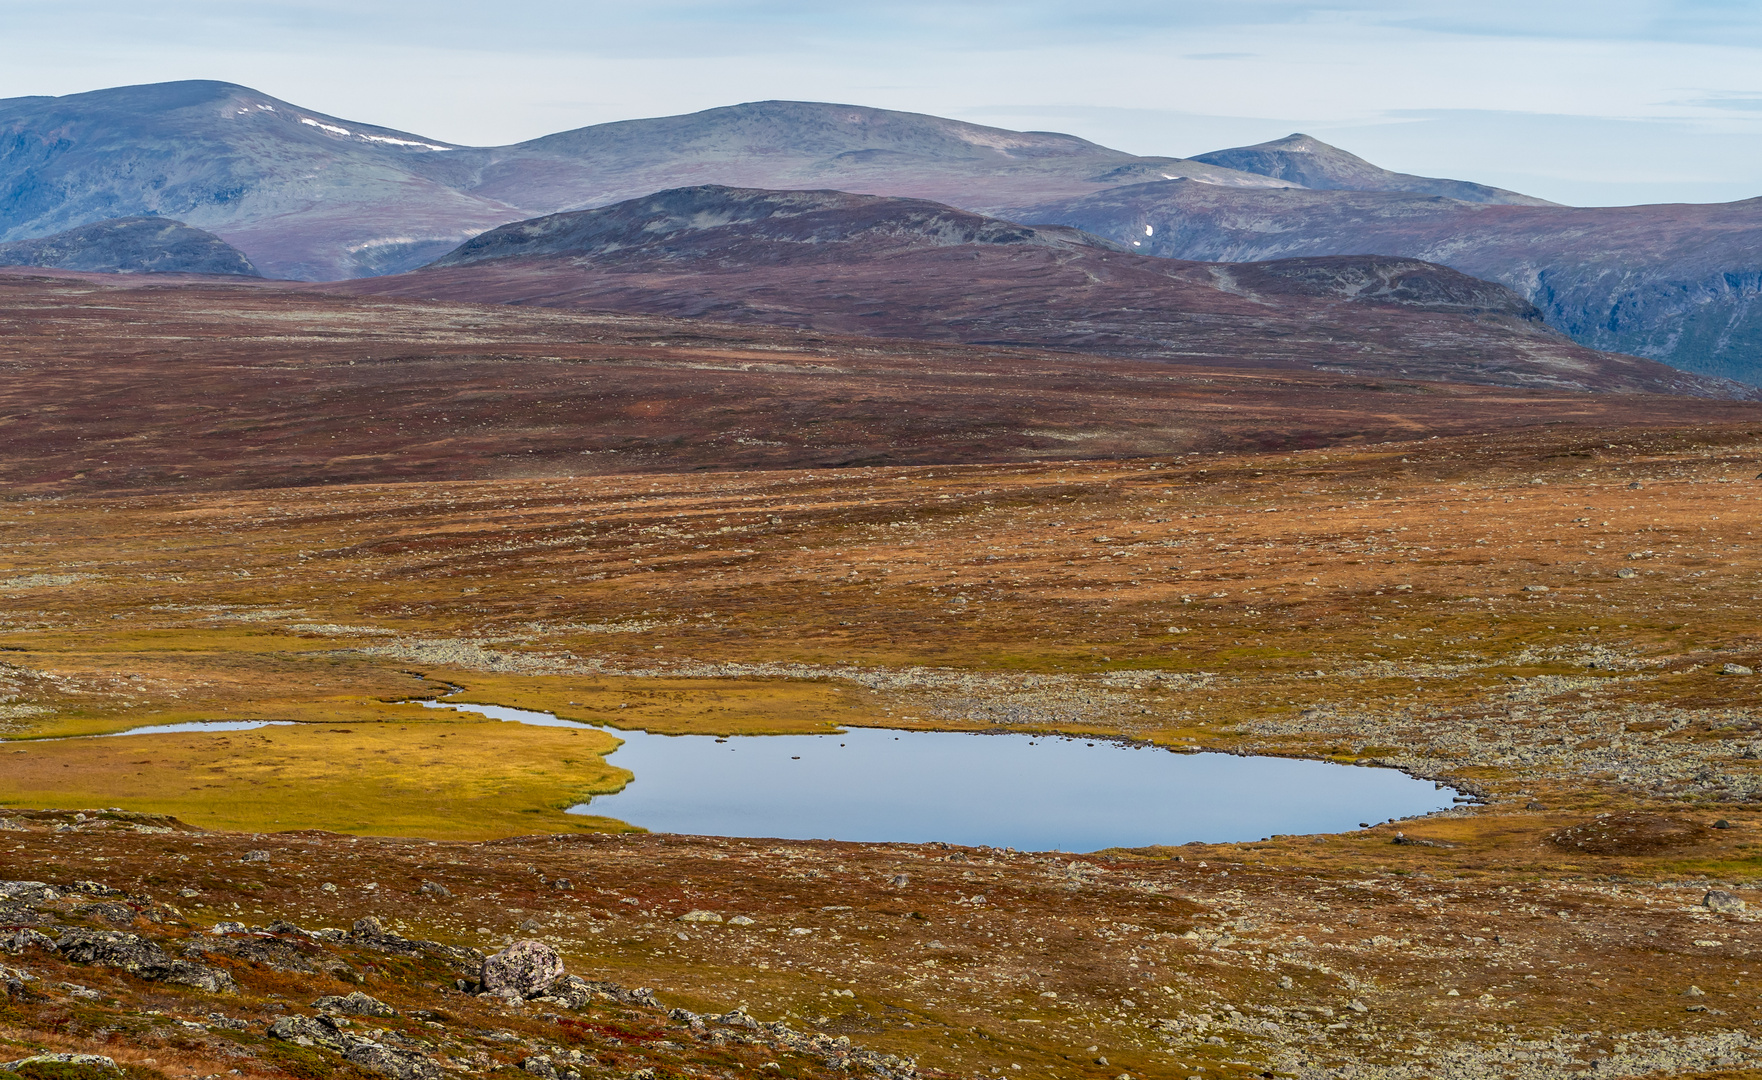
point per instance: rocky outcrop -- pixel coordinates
(141, 958)
(356, 1049)
(354, 1004)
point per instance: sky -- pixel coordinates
(1589, 102)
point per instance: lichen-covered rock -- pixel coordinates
(17, 941)
(112, 913)
(355, 1004)
(388, 1061)
(141, 958)
(1720, 900)
(308, 1031)
(572, 992)
(382, 1059)
(28, 892)
(370, 932)
(524, 969)
(82, 1061)
(278, 953)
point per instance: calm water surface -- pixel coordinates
(200, 725)
(1020, 791)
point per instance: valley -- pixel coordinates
(1250, 615)
(1375, 604)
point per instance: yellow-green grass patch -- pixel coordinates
(442, 779)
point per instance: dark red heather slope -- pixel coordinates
(898, 268)
(115, 382)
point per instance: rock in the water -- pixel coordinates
(524, 969)
(1720, 900)
(355, 1004)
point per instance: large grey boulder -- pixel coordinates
(1720, 900)
(522, 970)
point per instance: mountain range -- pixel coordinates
(834, 262)
(311, 196)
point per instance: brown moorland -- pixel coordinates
(1555, 617)
(122, 383)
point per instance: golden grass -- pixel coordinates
(442, 779)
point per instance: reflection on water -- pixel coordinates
(1028, 792)
(200, 725)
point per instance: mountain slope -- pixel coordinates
(903, 268)
(1308, 162)
(1681, 284)
(131, 246)
(724, 224)
(308, 195)
(302, 193)
(801, 144)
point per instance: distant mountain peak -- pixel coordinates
(1307, 161)
(1297, 143)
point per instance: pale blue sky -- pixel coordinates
(1591, 103)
